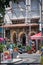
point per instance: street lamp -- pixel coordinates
(41, 19)
(41, 22)
(28, 16)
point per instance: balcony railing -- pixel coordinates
(18, 14)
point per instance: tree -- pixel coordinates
(3, 3)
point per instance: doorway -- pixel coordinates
(14, 37)
(22, 38)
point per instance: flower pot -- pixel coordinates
(29, 52)
(16, 49)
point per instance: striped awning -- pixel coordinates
(37, 36)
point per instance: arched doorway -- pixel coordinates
(14, 37)
(32, 33)
(22, 38)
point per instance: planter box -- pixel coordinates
(34, 56)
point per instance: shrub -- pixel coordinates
(28, 48)
(1, 47)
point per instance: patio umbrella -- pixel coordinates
(2, 39)
(37, 36)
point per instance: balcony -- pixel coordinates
(18, 14)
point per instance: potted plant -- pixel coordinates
(1, 48)
(16, 48)
(29, 49)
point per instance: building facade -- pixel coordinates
(22, 20)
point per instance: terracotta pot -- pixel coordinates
(16, 49)
(29, 52)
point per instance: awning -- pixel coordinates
(18, 25)
(37, 36)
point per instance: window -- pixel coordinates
(35, 7)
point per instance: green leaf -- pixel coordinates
(1, 47)
(28, 48)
